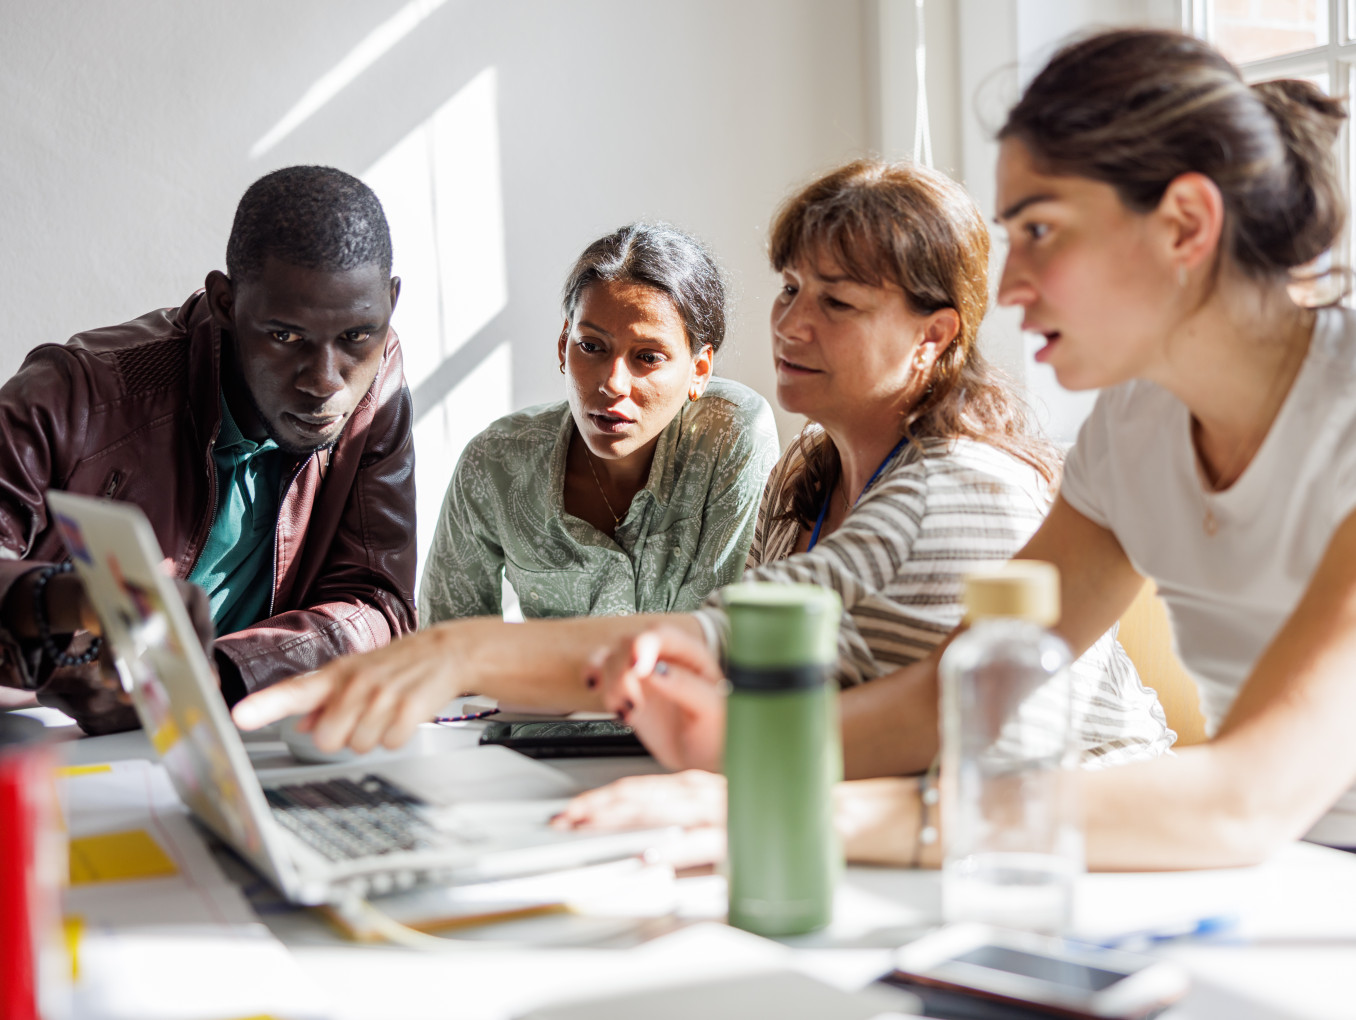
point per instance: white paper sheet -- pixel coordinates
(183, 946)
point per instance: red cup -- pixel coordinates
(34, 972)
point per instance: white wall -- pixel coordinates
(502, 138)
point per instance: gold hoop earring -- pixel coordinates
(562, 368)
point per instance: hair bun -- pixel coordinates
(1302, 108)
(1309, 123)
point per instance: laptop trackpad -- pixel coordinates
(475, 774)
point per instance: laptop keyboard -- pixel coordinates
(346, 819)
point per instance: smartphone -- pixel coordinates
(1034, 975)
(565, 738)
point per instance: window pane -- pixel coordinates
(1321, 80)
(1255, 29)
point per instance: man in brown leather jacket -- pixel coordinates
(264, 426)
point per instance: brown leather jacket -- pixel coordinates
(130, 412)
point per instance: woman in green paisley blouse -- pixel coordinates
(636, 494)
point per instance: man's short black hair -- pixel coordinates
(311, 216)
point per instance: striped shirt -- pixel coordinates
(939, 510)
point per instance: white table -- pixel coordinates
(1292, 955)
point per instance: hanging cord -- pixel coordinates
(922, 131)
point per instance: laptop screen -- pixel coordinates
(161, 662)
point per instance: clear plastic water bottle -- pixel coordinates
(1012, 821)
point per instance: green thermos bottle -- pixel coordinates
(782, 756)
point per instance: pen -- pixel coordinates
(1202, 928)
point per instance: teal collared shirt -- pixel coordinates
(236, 564)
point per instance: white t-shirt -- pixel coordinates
(1134, 471)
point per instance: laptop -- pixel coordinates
(324, 834)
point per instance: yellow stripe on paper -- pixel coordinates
(72, 928)
(118, 857)
(82, 770)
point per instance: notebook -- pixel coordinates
(321, 834)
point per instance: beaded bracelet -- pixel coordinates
(928, 796)
(49, 645)
(469, 717)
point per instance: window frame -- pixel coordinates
(1337, 59)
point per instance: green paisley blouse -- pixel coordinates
(686, 533)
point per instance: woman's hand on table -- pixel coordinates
(876, 819)
(669, 689)
(691, 799)
(360, 701)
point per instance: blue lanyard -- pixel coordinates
(824, 510)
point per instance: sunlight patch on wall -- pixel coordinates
(442, 191)
(372, 48)
(469, 207)
(439, 436)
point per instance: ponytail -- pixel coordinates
(1310, 209)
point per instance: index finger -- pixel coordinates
(297, 696)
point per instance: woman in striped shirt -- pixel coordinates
(918, 464)
(917, 467)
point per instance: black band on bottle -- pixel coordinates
(778, 678)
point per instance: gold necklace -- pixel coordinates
(588, 459)
(1250, 446)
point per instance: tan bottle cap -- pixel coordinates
(1022, 589)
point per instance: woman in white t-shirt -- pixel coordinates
(1158, 209)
